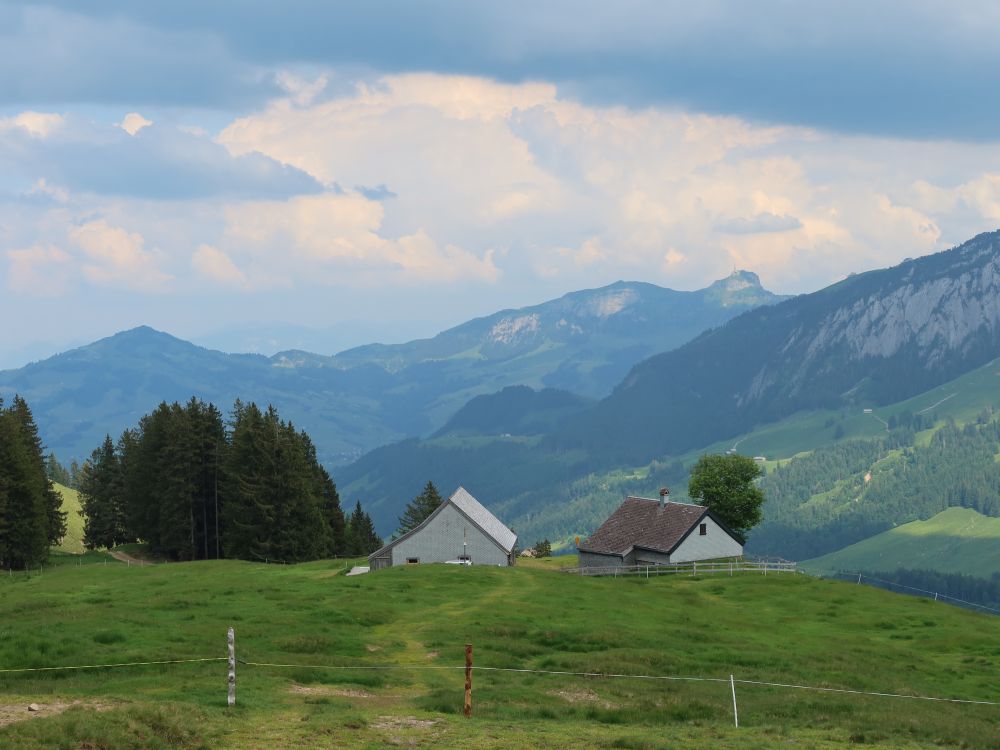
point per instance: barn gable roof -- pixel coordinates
(472, 509)
(641, 522)
(490, 524)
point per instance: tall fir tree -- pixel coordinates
(101, 498)
(31, 518)
(361, 534)
(418, 509)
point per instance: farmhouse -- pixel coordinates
(459, 529)
(651, 532)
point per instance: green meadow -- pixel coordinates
(72, 543)
(956, 540)
(376, 660)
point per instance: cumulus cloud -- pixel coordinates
(116, 257)
(336, 239)
(35, 124)
(213, 264)
(760, 223)
(133, 122)
(41, 270)
(589, 193)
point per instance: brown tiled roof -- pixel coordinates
(639, 522)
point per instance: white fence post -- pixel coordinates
(231, 642)
(736, 716)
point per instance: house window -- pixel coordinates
(703, 529)
(412, 560)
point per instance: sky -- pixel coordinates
(258, 176)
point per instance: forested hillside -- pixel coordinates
(841, 494)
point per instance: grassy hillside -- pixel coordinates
(957, 540)
(73, 541)
(789, 629)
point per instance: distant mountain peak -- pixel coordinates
(740, 288)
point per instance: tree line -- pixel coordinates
(195, 486)
(31, 519)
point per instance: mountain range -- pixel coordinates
(368, 396)
(817, 361)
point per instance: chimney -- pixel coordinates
(664, 494)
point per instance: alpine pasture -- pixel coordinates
(377, 660)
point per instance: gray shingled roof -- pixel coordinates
(483, 518)
(640, 522)
(476, 513)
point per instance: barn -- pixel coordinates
(658, 532)
(459, 529)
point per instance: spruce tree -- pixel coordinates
(419, 508)
(101, 499)
(362, 537)
(31, 516)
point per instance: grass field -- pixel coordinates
(73, 541)
(790, 629)
(957, 540)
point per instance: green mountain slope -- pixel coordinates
(957, 540)
(779, 628)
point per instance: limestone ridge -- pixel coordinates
(870, 339)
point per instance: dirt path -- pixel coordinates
(125, 557)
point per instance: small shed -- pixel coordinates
(460, 529)
(658, 532)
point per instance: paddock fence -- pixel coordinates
(463, 685)
(694, 568)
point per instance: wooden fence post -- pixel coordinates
(231, 642)
(468, 680)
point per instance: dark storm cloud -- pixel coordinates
(157, 162)
(901, 67)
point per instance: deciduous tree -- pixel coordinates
(726, 485)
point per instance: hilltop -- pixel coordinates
(788, 629)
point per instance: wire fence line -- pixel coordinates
(861, 577)
(516, 670)
(112, 666)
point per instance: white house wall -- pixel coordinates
(441, 540)
(714, 544)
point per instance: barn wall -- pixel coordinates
(648, 557)
(441, 540)
(597, 560)
(715, 544)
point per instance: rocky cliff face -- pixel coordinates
(873, 338)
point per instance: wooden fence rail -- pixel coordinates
(691, 568)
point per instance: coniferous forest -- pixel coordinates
(195, 486)
(30, 516)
